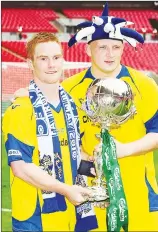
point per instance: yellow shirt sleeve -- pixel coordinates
(149, 94)
(18, 120)
(19, 131)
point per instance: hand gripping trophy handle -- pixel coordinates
(99, 189)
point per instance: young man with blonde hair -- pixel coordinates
(43, 171)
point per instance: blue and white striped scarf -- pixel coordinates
(50, 153)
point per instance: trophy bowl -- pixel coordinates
(109, 102)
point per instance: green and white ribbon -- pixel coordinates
(117, 212)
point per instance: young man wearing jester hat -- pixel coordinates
(136, 139)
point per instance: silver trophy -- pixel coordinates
(109, 103)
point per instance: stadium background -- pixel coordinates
(20, 20)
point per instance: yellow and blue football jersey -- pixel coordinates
(138, 172)
(19, 127)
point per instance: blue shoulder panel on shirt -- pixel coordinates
(34, 223)
(88, 74)
(123, 73)
(18, 150)
(153, 198)
(152, 124)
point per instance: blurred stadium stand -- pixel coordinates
(31, 20)
(20, 20)
(10, 57)
(139, 17)
(144, 59)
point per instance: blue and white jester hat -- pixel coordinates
(106, 27)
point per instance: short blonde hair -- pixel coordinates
(41, 37)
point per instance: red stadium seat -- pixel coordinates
(32, 20)
(139, 17)
(8, 57)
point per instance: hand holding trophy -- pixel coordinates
(109, 103)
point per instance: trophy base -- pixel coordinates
(98, 194)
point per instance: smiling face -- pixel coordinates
(47, 62)
(105, 54)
